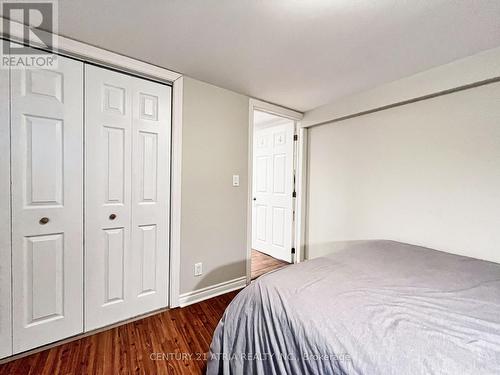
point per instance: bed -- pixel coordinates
(371, 307)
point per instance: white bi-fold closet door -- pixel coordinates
(127, 169)
(47, 203)
(52, 122)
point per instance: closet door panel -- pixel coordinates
(5, 246)
(127, 196)
(150, 194)
(108, 196)
(47, 203)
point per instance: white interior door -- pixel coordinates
(5, 249)
(47, 203)
(127, 192)
(272, 190)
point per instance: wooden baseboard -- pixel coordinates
(199, 295)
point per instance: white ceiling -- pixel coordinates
(297, 53)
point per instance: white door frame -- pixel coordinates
(5, 219)
(87, 53)
(300, 180)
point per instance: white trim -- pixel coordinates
(274, 109)
(86, 52)
(301, 201)
(250, 192)
(94, 54)
(176, 190)
(480, 67)
(211, 291)
(5, 220)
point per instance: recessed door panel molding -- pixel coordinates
(114, 99)
(44, 162)
(279, 173)
(5, 245)
(127, 126)
(261, 141)
(148, 107)
(261, 221)
(272, 189)
(114, 265)
(280, 138)
(148, 252)
(43, 276)
(114, 153)
(261, 172)
(47, 203)
(279, 223)
(44, 82)
(148, 164)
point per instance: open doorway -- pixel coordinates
(273, 189)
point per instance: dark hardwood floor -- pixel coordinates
(172, 342)
(263, 263)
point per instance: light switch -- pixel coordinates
(236, 180)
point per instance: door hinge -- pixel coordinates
(295, 137)
(293, 250)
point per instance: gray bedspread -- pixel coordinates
(372, 307)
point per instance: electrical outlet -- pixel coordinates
(198, 269)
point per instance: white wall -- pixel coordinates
(426, 173)
(213, 217)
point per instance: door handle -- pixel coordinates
(254, 199)
(112, 217)
(44, 220)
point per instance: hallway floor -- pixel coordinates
(263, 263)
